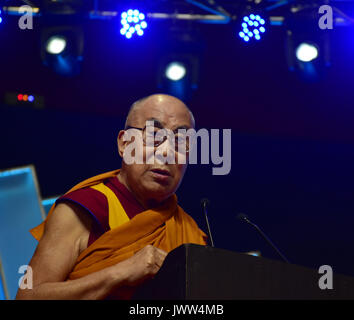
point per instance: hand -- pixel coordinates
(143, 265)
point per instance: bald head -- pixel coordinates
(161, 102)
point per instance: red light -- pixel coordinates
(20, 97)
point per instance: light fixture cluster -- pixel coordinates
(253, 26)
(133, 22)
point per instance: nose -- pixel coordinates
(165, 152)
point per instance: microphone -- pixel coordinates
(244, 218)
(204, 203)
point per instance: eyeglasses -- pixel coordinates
(157, 136)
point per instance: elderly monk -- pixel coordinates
(112, 232)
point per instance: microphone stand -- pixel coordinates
(244, 218)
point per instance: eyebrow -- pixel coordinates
(182, 127)
(159, 125)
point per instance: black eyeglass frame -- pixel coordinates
(158, 142)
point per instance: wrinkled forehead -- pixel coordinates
(170, 113)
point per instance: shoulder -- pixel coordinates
(85, 197)
(92, 202)
(68, 223)
(65, 232)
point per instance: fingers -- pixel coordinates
(155, 255)
(162, 252)
(144, 264)
(154, 258)
(160, 256)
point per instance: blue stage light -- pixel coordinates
(253, 26)
(0, 16)
(133, 22)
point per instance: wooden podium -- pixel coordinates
(194, 272)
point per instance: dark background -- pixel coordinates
(292, 142)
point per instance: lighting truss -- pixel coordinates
(276, 9)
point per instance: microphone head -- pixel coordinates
(204, 202)
(243, 217)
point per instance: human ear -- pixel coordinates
(121, 143)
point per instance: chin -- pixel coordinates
(159, 193)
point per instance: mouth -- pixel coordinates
(161, 172)
(161, 175)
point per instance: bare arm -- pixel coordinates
(65, 236)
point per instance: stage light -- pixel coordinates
(308, 49)
(132, 22)
(0, 16)
(179, 62)
(175, 71)
(179, 73)
(253, 27)
(62, 48)
(309, 58)
(56, 45)
(306, 52)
